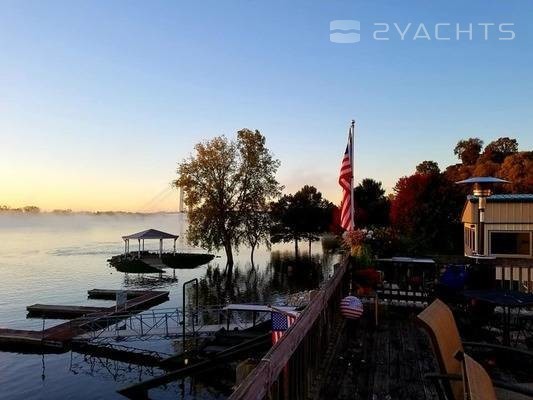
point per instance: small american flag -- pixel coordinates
(345, 180)
(351, 307)
(280, 323)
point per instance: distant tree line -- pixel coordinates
(68, 211)
(25, 209)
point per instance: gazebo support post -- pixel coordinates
(139, 252)
(174, 246)
(160, 248)
(125, 247)
(143, 245)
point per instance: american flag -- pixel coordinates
(280, 323)
(345, 180)
(351, 307)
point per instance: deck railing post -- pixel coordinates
(288, 369)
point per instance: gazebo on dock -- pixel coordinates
(152, 234)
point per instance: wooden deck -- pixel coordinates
(383, 363)
(57, 338)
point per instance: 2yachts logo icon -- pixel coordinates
(344, 31)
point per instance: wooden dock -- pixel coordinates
(22, 340)
(61, 311)
(110, 294)
(58, 338)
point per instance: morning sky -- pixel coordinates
(99, 100)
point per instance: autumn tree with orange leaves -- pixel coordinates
(426, 206)
(500, 158)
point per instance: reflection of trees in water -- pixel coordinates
(199, 386)
(220, 286)
(106, 368)
(148, 281)
(283, 274)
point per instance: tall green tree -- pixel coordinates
(428, 167)
(301, 216)
(468, 150)
(223, 183)
(371, 204)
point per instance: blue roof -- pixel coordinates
(506, 198)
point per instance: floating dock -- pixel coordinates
(58, 338)
(110, 294)
(61, 311)
(22, 340)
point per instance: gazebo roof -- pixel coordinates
(151, 234)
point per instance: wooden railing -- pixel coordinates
(292, 365)
(513, 277)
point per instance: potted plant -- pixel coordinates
(358, 242)
(365, 277)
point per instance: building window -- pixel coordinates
(470, 239)
(510, 243)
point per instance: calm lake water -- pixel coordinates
(55, 259)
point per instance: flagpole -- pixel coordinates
(352, 200)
